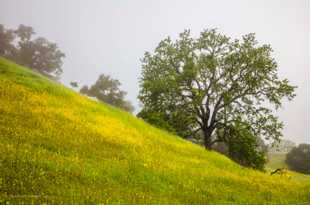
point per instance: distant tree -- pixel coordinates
(298, 158)
(107, 90)
(283, 146)
(7, 37)
(38, 54)
(74, 84)
(127, 106)
(210, 84)
(24, 33)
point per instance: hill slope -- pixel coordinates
(58, 147)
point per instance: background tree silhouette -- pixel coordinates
(106, 89)
(298, 158)
(36, 53)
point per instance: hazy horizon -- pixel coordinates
(111, 37)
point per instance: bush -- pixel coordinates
(298, 159)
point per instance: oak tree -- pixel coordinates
(211, 84)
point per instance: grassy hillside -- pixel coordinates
(58, 147)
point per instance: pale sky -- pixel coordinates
(111, 36)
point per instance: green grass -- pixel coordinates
(58, 147)
(277, 160)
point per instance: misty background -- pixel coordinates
(111, 37)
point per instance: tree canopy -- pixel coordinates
(106, 89)
(212, 84)
(38, 54)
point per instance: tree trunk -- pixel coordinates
(207, 138)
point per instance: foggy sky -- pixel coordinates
(101, 36)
